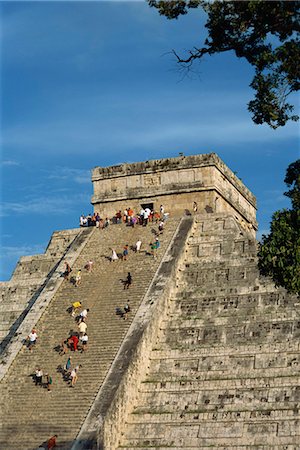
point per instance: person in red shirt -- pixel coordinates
(52, 442)
(74, 342)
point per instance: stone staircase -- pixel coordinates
(29, 414)
(224, 371)
(29, 277)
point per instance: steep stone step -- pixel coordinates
(213, 434)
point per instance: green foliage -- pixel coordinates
(172, 9)
(292, 179)
(279, 254)
(265, 33)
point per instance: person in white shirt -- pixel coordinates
(83, 315)
(142, 215)
(138, 246)
(146, 216)
(84, 342)
(32, 339)
(114, 256)
(74, 375)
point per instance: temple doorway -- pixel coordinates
(147, 205)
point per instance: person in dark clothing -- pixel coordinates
(38, 377)
(67, 271)
(126, 308)
(120, 312)
(123, 312)
(48, 382)
(128, 281)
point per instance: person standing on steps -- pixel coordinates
(38, 376)
(82, 327)
(157, 243)
(120, 312)
(63, 347)
(68, 364)
(67, 271)
(74, 375)
(114, 256)
(125, 252)
(78, 278)
(75, 307)
(89, 266)
(138, 246)
(97, 220)
(195, 207)
(162, 211)
(154, 246)
(126, 310)
(128, 281)
(83, 315)
(125, 215)
(73, 341)
(48, 382)
(32, 339)
(146, 216)
(161, 227)
(84, 342)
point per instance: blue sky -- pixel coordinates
(87, 84)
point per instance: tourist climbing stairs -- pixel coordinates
(29, 413)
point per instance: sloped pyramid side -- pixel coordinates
(224, 370)
(28, 280)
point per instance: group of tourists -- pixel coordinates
(128, 216)
(77, 341)
(43, 380)
(93, 220)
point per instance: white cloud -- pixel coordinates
(274, 197)
(79, 176)
(10, 255)
(9, 163)
(61, 205)
(73, 136)
(13, 252)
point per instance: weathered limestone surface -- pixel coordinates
(223, 372)
(28, 278)
(34, 282)
(176, 183)
(107, 416)
(30, 414)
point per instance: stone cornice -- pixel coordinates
(163, 165)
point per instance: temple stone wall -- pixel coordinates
(176, 183)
